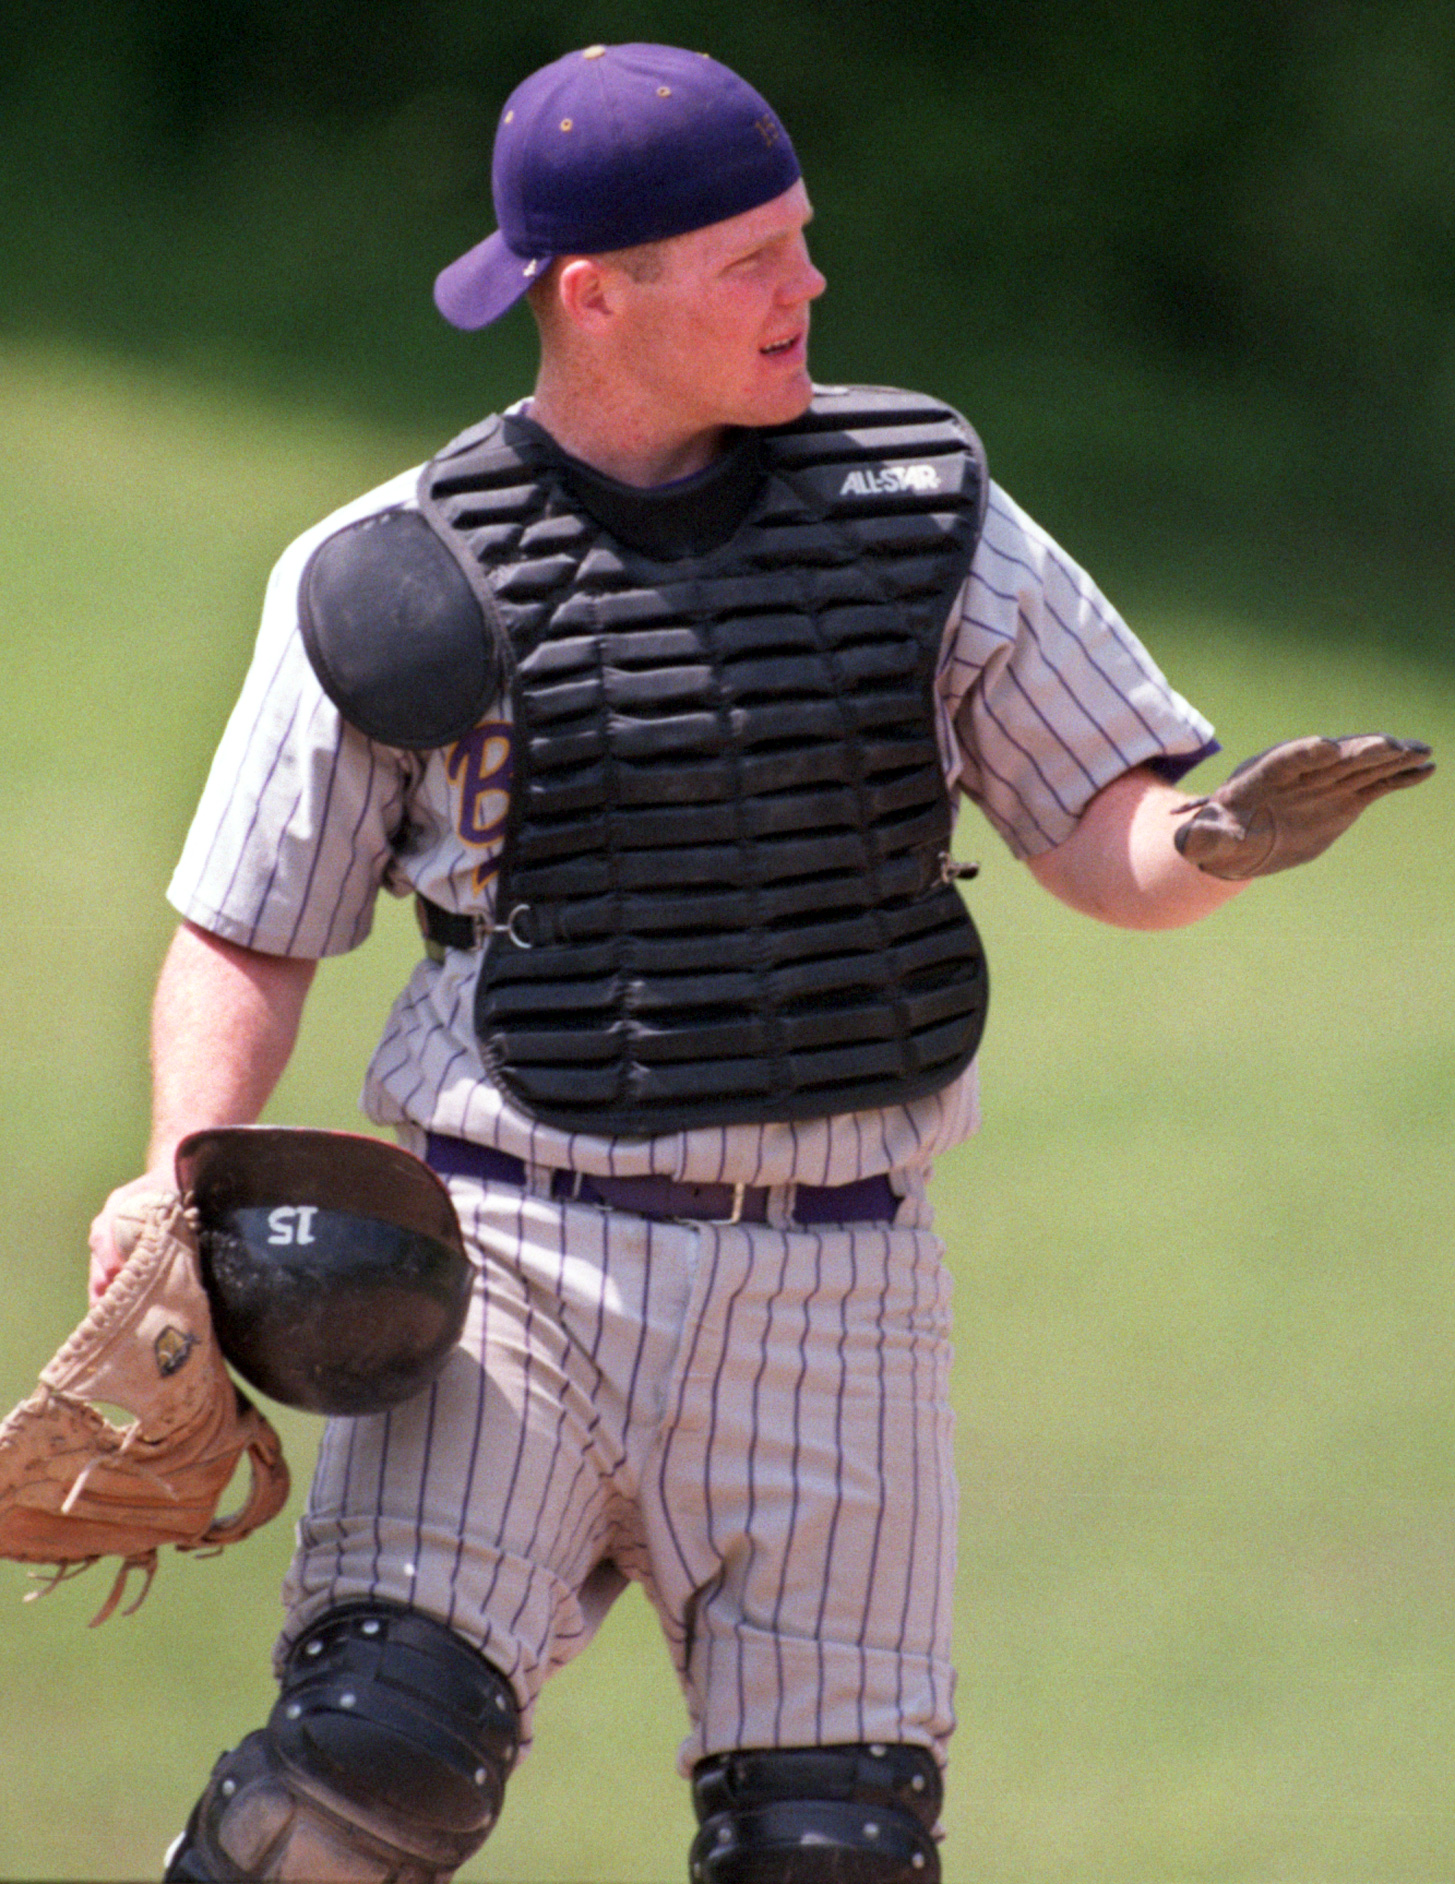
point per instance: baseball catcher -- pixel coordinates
(659, 689)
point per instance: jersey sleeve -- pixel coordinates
(297, 823)
(1050, 693)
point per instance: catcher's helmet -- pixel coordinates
(334, 1263)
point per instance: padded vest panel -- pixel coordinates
(724, 870)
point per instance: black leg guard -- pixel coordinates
(817, 1815)
(384, 1762)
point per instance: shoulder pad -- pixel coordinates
(398, 638)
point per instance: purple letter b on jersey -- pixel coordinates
(480, 765)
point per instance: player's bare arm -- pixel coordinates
(224, 1020)
(1121, 865)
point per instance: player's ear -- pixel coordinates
(589, 292)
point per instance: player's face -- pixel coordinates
(720, 336)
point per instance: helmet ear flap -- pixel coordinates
(334, 1264)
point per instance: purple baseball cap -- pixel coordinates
(610, 147)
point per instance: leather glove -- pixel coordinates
(74, 1487)
(1284, 806)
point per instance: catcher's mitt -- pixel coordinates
(75, 1488)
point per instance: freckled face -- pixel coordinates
(720, 337)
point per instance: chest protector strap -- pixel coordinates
(725, 871)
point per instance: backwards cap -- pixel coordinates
(611, 147)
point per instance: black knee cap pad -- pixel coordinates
(395, 1710)
(817, 1815)
(386, 1756)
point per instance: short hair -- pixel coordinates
(645, 262)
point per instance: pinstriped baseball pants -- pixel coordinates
(753, 1423)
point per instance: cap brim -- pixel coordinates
(485, 282)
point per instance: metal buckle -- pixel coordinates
(740, 1192)
(482, 927)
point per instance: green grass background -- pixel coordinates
(1201, 1251)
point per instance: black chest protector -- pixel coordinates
(725, 892)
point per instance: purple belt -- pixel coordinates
(866, 1200)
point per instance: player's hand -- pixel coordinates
(1284, 806)
(113, 1232)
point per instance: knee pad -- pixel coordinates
(385, 1759)
(817, 1815)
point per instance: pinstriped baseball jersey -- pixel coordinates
(1045, 696)
(750, 1420)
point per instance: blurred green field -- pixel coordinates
(1205, 1619)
